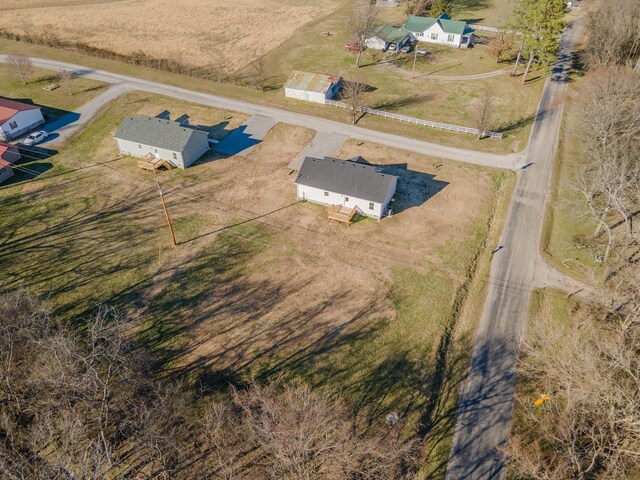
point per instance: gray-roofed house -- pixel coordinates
(442, 30)
(384, 37)
(160, 138)
(353, 184)
(312, 87)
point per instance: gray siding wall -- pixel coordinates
(197, 146)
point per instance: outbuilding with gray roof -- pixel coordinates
(349, 183)
(178, 144)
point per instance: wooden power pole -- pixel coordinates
(166, 214)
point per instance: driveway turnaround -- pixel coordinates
(324, 144)
(486, 400)
(511, 161)
(63, 128)
(244, 138)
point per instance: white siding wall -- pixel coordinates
(305, 95)
(140, 150)
(443, 37)
(317, 195)
(196, 147)
(25, 121)
(374, 43)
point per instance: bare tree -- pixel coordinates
(259, 74)
(590, 426)
(21, 67)
(353, 94)
(65, 77)
(499, 46)
(608, 180)
(363, 18)
(614, 34)
(483, 111)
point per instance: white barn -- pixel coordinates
(17, 118)
(178, 144)
(312, 87)
(441, 30)
(347, 183)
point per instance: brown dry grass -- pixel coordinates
(192, 32)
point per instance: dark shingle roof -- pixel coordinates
(156, 132)
(345, 177)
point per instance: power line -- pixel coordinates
(259, 217)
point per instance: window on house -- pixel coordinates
(326, 194)
(346, 199)
(175, 156)
(370, 205)
(450, 38)
(13, 125)
(434, 36)
(139, 146)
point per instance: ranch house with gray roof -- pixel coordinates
(348, 183)
(144, 136)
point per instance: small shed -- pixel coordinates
(346, 185)
(385, 37)
(162, 139)
(18, 118)
(312, 87)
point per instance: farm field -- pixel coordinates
(260, 284)
(191, 32)
(394, 88)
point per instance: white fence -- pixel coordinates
(486, 29)
(417, 121)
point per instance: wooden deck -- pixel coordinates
(154, 164)
(341, 213)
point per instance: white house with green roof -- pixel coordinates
(442, 30)
(385, 37)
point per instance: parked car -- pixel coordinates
(35, 138)
(352, 47)
(407, 48)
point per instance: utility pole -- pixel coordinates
(415, 57)
(166, 213)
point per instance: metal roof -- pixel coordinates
(421, 24)
(345, 177)
(311, 82)
(388, 33)
(8, 108)
(156, 132)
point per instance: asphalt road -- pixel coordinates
(486, 400)
(511, 161)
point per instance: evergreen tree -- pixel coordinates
(538, 24)
(438, 7)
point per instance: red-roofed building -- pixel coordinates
(17, 118)
(8, 155)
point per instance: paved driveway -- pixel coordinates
(244, 138)
(324, 144)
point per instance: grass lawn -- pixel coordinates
(381, 314)
(395, 89)
(55, 102)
